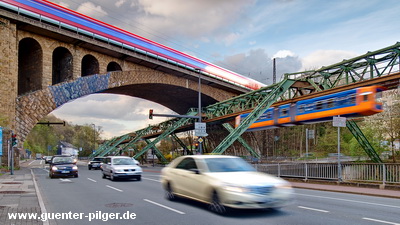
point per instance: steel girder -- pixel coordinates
(171, 128)
(113, 146)
(240, 103)
(157, 152)
(363, 141)
(103, 147)
(242, 141)
(368, 66)
(264, 104)
(180, 142)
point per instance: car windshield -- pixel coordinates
(123, 161)
(61, 160)
(98, 159)
(228, 165)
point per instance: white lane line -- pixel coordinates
(65, 180)
(151, 179)
(92, 180)
(347, 200)
(40, 199)
(313, 209)
(114, 188)
(380, 221)
(31, 162)
(166, 207)
(41, 162)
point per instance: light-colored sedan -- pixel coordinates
(224, 182)
(121, 167)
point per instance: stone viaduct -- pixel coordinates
(43, 66)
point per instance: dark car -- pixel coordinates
(63, 166)
(47, 159)
(95, 163)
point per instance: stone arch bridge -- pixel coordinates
(42, 67)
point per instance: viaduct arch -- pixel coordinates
(43, 67)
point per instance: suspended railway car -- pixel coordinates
(357, 102)
(59, 16)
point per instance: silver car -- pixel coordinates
(121, 167)
(224, 182)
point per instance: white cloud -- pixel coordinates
(116, 114)
(317, 59)
(90, 9)
(119, 3)
(283, 54)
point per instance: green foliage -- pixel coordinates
(43, 136)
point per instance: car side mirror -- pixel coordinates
(196, 171)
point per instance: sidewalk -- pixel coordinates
(348, 189)
(18, 195)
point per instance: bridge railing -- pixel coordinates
(385, 173)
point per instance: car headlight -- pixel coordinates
(235, 188)
(75, 168)
(54, 168)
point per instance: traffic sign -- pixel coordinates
(339, 121)
(200, 129)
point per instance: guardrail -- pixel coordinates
(386, 173)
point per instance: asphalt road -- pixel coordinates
(93, 199)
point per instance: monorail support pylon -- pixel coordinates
(268, 100)
(242, 141)
(178, 123)
(363, 141)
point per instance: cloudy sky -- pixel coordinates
(240, 35)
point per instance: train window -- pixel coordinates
(301, 108)
(319, 105)
(352, 99)
(269, 115)
(365, 98)
(284, 112)
(331, 103)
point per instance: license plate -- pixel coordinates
(64, 171)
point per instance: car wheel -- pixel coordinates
(104, 176)
(112, 176)
(89, 167)
(51, 176)
(169, 193)
(139, 178)
(215, 205)
(76, 175)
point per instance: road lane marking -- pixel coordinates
(151, 179)
(40, 199)
(166, 207)
(92, 180)
(347, 200)
(114, 188)
(65, 180)
(380, 221)
(318, 210)
(31, 162)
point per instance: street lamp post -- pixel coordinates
(199, 109)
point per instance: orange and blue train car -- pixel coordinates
(363, 101)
